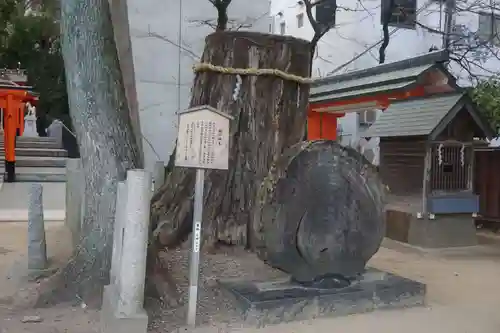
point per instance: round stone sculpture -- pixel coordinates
(321, 213)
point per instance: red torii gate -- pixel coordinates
(13, 99)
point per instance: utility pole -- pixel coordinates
(179, 58)
(448, 23)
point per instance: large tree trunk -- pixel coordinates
(269, 116)
(100, 115)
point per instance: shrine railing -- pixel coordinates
(451, 167)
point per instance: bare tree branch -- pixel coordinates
(151, 34)
(230, 25)
(320, 29)
(464, 48)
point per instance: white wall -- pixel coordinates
(360, 28)
(161, 91)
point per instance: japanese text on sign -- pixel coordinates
(203, 140)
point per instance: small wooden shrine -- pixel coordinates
(427, 150)
(427, 134)
(427, 161)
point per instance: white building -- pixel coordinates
(167, 38)
(357, 27)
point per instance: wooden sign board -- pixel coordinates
(203, 139)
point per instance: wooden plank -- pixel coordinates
(426, 180)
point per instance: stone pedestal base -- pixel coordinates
(452, 230)
(111, 322)
(265, 303)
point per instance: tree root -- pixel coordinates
(53, 290)
(60, 288)
(57, 288)
(160, 283)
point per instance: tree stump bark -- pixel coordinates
(269, 116)
(321, 212)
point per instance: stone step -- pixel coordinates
(29, 174)
(41, 152)
(37, 161)
(23, 141)
(38, 138)
(32, 139)
(28, 144)
(42, 178)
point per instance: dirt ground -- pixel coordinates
(463, 291)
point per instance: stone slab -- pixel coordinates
(45, 152)
(38, 162)
(111, 322)
(263, 303)
(14, 201)
(445, 231)
(36, 144)
(21, 215)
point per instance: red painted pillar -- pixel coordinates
(313, 125)
(10, 129)
(329, 126)
(322, 125)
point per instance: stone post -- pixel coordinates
(121, 204)
(158, 175)
(75, 191)
(55, 130)
(122, 306)
(135, 242)
(37, 246)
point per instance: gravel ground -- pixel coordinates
(462, 295)
(213, 305)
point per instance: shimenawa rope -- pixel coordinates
(203, 67)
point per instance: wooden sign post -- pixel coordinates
(202, 143)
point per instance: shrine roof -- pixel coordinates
(425, 116)
(396, 76)
(9, 85)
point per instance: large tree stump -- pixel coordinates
(321, 212)
(269, 116)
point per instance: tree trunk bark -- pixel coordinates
(100, 115)
(269, 116)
